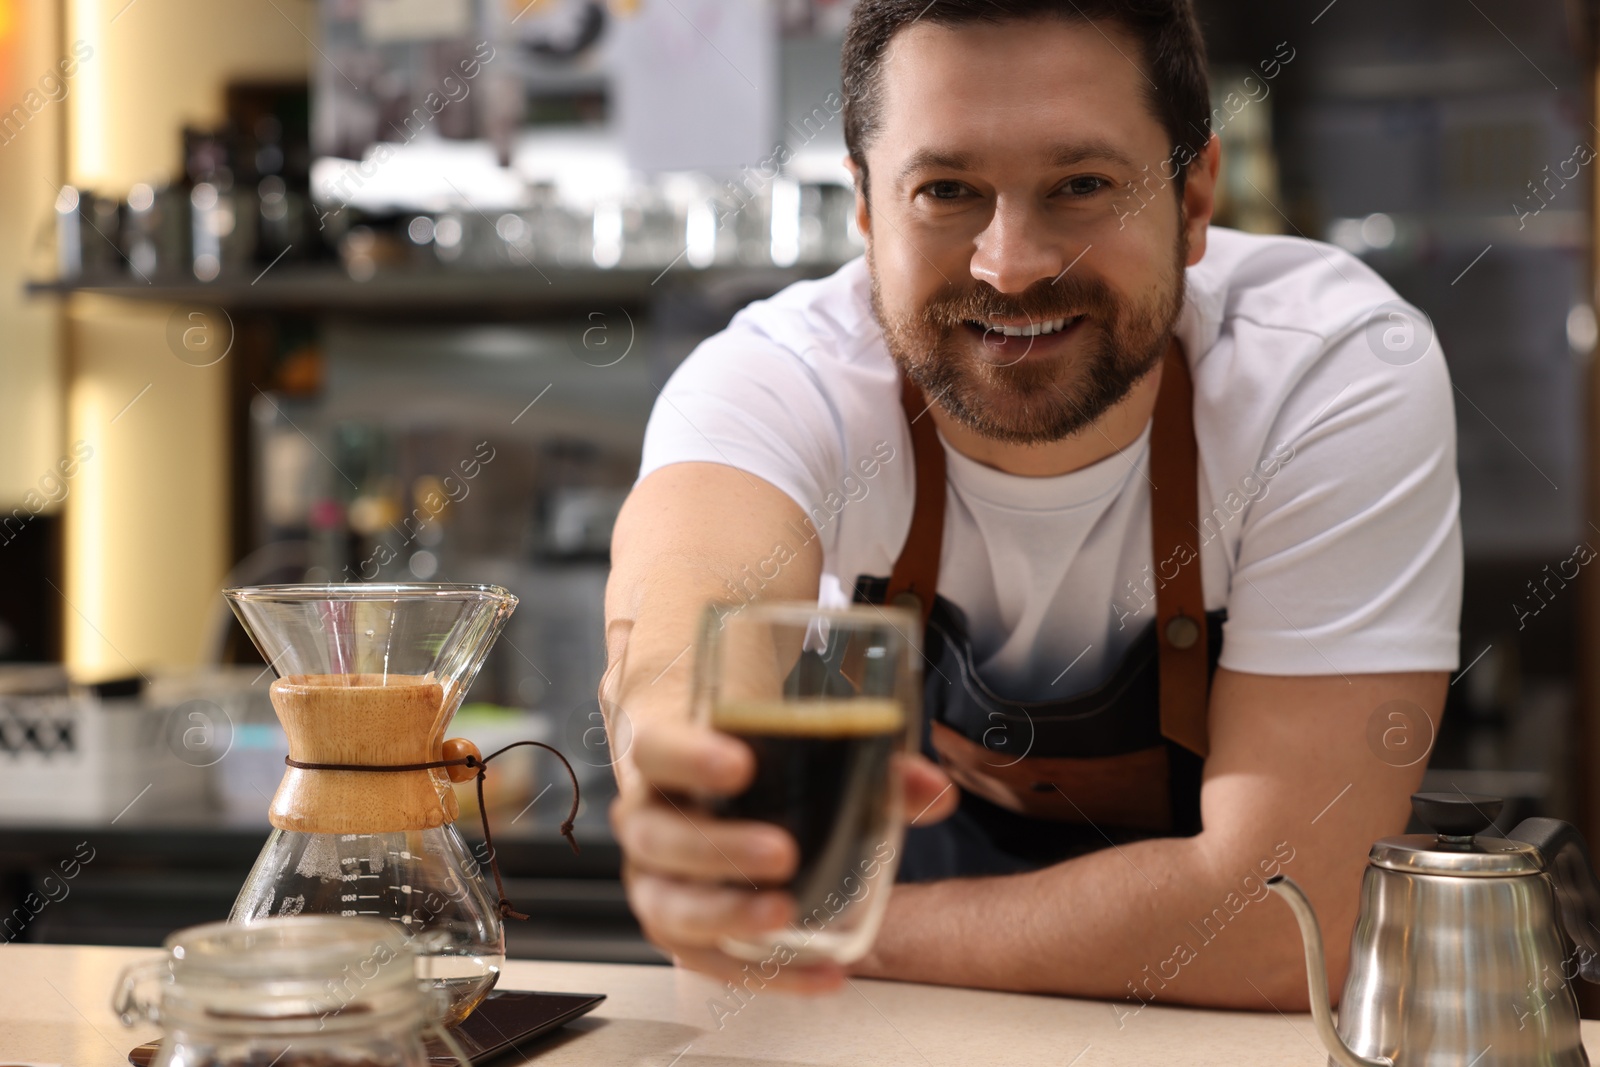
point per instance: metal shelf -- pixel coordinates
(547, 289)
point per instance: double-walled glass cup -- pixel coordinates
(829, 701)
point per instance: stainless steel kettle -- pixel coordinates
(1458, 955)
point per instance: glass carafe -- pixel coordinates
(368, 678)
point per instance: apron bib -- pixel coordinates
(1043, 781)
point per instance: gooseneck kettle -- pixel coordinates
(1458, 955)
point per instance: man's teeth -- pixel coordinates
(1032, 329)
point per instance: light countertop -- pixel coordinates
(55, 1009)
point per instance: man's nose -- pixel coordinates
(1016, 248)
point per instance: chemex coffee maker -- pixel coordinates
(368, 677)
(1466, 945)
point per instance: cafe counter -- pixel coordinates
(55, 1009)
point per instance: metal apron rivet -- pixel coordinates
(1182, 632)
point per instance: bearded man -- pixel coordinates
(1170, 500)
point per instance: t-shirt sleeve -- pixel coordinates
(1350, 562)
(744, 400)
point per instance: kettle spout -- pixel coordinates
(1317, 976)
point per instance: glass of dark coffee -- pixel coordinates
(829, 701)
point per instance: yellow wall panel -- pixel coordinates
(146, 538)
(30, 145)
(161, 64)
(147, 530)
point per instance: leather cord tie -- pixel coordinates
(481, 765)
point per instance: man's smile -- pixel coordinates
(1009, 341)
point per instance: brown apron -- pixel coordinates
(1043, 781)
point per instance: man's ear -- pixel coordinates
(1200, 197)
(863, 216)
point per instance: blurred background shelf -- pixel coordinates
(526, 293)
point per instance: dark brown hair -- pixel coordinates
(1177, 89)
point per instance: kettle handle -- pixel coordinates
(1566, 860)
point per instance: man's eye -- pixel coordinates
(945, 190)
(1085, 186)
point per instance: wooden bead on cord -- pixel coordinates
(460, 748)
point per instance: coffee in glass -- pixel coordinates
(827, 700)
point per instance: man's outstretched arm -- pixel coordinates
(692, 534)
(1291, 781)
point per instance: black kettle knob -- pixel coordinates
(1456, 814)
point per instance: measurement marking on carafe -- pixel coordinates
(1480, 1055)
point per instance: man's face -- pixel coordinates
(1002, 179)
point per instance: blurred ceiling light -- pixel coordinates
(1346, 233)
(700, 234)
(1377, 230)
(607, 234)
(511, 228)
(1581, 329)
(1360, 236)
(447, 232)
(785, 196)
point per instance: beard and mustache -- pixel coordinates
(1039, 400)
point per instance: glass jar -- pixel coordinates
(291, 992)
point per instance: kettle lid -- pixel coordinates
(1457, 845)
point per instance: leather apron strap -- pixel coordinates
(1174, 513)
(1180, 600)
(913, 581)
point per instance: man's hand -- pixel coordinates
(693, 879)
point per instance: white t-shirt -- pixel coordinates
(1328, 491)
